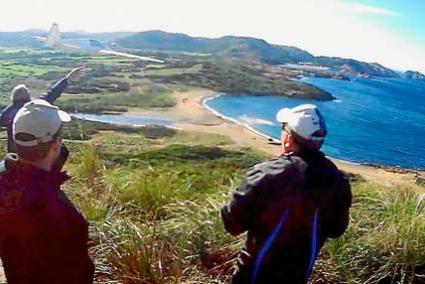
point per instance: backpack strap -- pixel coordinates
(313, 243)
(302, 167)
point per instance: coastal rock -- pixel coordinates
(414, 75)
(309, 92)
(355, 67)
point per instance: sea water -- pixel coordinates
(373, 120)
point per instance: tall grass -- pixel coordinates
(154, 217)
(385, 242)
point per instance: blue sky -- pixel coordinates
(391, 32)
(410, 21)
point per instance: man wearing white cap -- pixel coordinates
(43, 238)
(289, 205)
(21, 95)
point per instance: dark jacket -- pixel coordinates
(289, 205)
(43, 238)
(8, 114)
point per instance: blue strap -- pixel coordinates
(313, 250)
(267, 245)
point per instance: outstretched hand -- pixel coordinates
(75, 73)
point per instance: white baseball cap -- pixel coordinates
(305, 120)
(39, 120)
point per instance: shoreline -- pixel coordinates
(192, 114)
(271, 139)
(219, 114)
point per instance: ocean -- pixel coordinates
(373, 120)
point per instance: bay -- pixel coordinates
(373, 120)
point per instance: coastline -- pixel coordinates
(192, 114)
(219, 114)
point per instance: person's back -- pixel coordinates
(43, 234)
(43, 238)
(289, 205)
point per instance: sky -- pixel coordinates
(390, 32)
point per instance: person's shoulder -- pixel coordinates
(319, 159)
(6, 164)
(269, 169)
(330, 164)
(333, 171)
(11, 174)
(11, 189)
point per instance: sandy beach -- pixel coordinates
(190, 114)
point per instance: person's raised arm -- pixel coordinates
(5, 116)
(59, 87)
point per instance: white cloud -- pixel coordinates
(366, 9)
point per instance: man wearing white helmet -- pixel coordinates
(43, 238)
(289, 205)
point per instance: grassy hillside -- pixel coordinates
(153, 203)
(236, 78)
(153, 195)
(114, 83)
(247, 49)
(230, 46)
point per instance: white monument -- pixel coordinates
(54, 36)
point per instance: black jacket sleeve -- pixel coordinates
(256, 189)
(238, 215)
(339, 220)
(55, 91)
(5, 116)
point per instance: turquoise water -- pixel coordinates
(379, 121)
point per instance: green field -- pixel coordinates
(140, 84)
(106, 85)
(173, 71)
(10, 69)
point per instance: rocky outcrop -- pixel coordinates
(414, 75)
(355, 67)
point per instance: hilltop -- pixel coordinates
(228, 46)
(247, 48)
